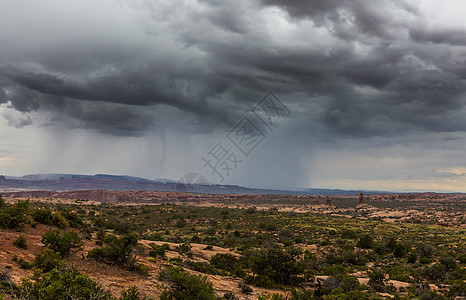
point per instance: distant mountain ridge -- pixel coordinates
(73, 182)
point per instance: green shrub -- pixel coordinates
(399, 273)
(20, 242)
(345, 282)
(24, 264)
(203, 267)
(448, 262)
(365, 242)
(245, 289)
(274, 296)
(379, 248)
(301, 294)
(176, 261)
(425, 250)
(434, 272)
(101, 234)
(377, 278)
(183, 285)
(399, 250)
(229, 296)
(13, 216)
(132, 293)
(348, 234)
(48, 260)
(462, 258)
(357, 258)
(424, 260)
(391, 244)
(412, 257)
(278, 264)
(334, 270)
(183, 248)
(47, 217)
(73, 218)
(226, 262)
(117, 225)
(118, 250)
(457, 289)
(457, 274)
(68, 285)
(158, 250)
(143, 269)
(62, 241)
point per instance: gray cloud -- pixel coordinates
(451, 36)
(366, 65)
(376, 89)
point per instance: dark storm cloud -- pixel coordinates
(371, 68)
(369, 17)
(3, 96)
(449, 36)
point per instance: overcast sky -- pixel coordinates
(372, 93)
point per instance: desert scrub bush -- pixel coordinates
(334, 270)
(24, 264)
(73, 218)
(434, 272)
(412, 257)
(274, 296)
(400, 273)
(62, 241)
(301, 294)
(142, 269)
(183, 285)
(229, 296)
(377, 280)
(203, 267)
(47, 217)
(226, 262)
(425, 250)
(448, 262)
(366, 242)
(119, 226)
(20, 242)
(68, 285)
(119, 250)
(183, 248)
(400, 250)
(132, 293)
(457, 289)
(48, 260)
(245, 289)
(345, 282)
(158, 250)
(348, 234)
(274, 265)
(12, 216)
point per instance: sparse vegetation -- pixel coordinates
(182, 285)
(119, 250)
(12, 216)
(306, 256)
(62, 241)
(20, 242)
